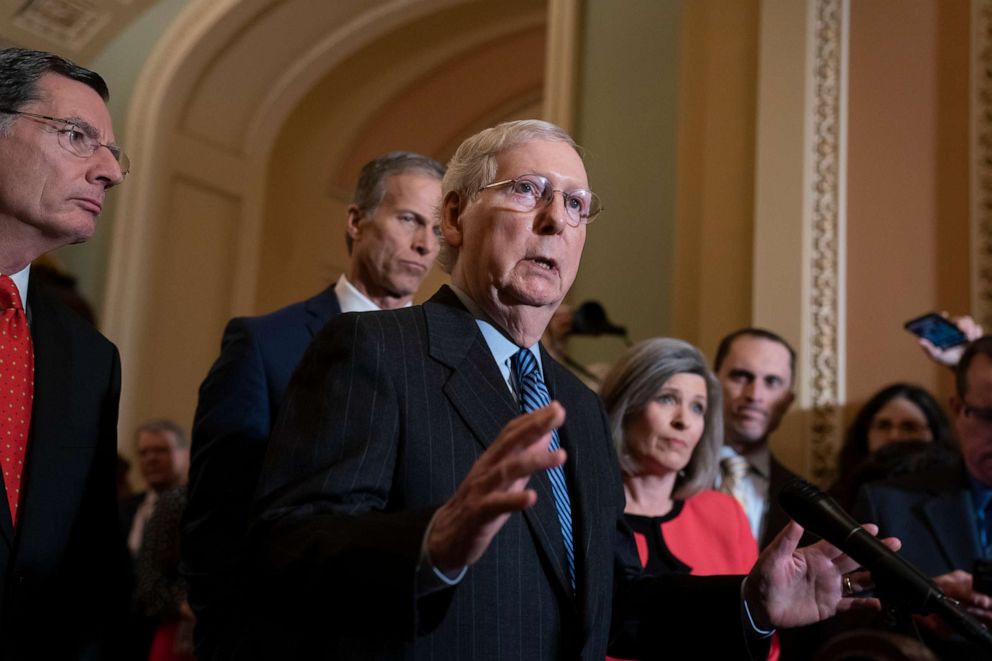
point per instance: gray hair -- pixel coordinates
(163, 426)
(20, 71)
(636, 379)
(474, 164)
(371, 187)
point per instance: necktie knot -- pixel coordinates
(734, 472)
(10, 298)
(734, 469)
(524, 364)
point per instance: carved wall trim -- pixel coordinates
(826, 189)
(981, 170)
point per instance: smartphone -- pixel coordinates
(982, 576)
(941, 333)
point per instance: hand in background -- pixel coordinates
(951, 355)
(958, 585)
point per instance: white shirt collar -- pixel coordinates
(352, 300)
(21, 280)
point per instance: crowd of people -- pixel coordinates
(366, 478)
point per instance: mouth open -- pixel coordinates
(544, 262)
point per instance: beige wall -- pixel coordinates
(701, 234)
(626, 118)
(712, 251)
(907, 243)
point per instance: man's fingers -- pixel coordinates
(506, 502)
(526, 430)
(858, 603)
(788, 539)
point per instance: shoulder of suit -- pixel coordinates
(44, 305)
(289, 314)
(928, 482)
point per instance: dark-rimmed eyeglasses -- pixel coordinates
(77, 138)
(524, 192)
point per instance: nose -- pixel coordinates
(753, 391)
(679, 418)
(425, 241)
(552, 217)
(104, 168)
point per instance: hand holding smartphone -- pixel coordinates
(937, 330)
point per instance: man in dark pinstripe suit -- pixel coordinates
(406, 504)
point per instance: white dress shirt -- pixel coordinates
(754, 488)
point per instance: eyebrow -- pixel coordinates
(87, 128)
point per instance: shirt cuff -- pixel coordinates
(430, 578)
(755, 629)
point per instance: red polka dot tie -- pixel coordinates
(16, 389)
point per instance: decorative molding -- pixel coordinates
(981, 170)
(827, 150)
(70, 22)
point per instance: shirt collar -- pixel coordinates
(760, 459)
(500, 346)
(981, 493)
(352, 300)
(21, 280)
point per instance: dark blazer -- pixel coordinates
(238, 403)
(931, 513)
(382, 421)
(62, 572)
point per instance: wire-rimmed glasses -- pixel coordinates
(524, 192)
(78, 138)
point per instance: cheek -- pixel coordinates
(875, 440)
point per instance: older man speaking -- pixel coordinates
(425, 494)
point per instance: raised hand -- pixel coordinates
(463, 527)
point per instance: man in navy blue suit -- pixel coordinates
(392, 237)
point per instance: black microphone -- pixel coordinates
(899, 582)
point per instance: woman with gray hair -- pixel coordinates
(665, 409)
(666, 415)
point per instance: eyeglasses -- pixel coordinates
(78, 139)
(524, 192)
(904, 427)
(981, 414)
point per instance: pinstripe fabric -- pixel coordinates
(385, 416)
(533, 396)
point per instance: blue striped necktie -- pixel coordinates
(985, 526)
(533, 396)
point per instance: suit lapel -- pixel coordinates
(321, 309)
(479, 394)
(52, 397)
(948, 514)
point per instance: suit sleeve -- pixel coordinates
(230, 431)
(330, 523)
